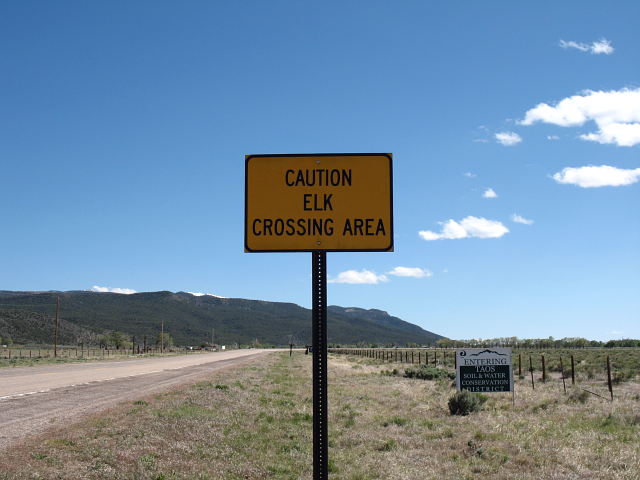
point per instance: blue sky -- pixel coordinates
(124, 125)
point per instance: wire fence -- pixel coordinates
(565, 366)
(85, 353)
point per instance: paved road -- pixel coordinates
(33, 399)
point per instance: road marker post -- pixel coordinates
(319, 203)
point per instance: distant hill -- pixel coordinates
(28, 317)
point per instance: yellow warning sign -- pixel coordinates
(311, 202)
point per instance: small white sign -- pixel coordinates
(484, 370)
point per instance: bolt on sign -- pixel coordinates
(313, 202)
(484, 370)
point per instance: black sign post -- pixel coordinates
(320, 394)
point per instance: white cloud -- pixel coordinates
(622, 134)
(359, 277)
(602, 46)
(553, 137)
(470, 175)
(508, 139)
(489, 193)
(198, 294)
(615, 112)
(468, 227)
(415, 272)
(583, 47)
(520, 219)
(125, 291)
(597, 176)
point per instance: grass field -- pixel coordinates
(255, 422)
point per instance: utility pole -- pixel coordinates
(162, 337)
(55, 335)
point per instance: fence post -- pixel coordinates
(533, 385)
(564, 386)
(544, 369)
(609, 378)
(573, 376)
(519, 365)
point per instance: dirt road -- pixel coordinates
(35, 398)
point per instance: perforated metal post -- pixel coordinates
(319, 333)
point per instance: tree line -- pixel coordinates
(539, 343)
(120, 340)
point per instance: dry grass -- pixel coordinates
(21, 358)
(255, 422)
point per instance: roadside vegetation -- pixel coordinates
(31, 357)
(255, 422)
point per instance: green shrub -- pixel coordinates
(465, 402)
(399, 421)
(622, 376)
(427, 372)
(387, 446)
(578, 396)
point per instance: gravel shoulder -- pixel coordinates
(33, 399)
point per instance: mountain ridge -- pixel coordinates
(191, 318)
